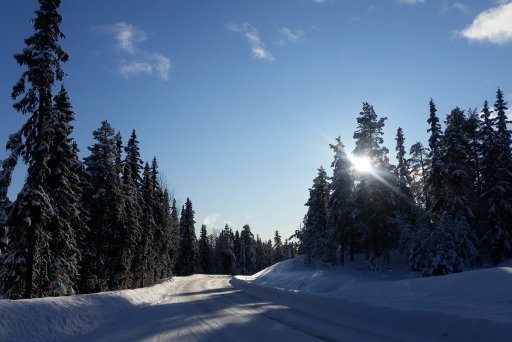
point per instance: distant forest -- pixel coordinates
(447, 206)
(107, 222)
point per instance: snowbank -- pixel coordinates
(61, 318)
(475, 305)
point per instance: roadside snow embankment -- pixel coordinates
(61, 318)
(475, 305)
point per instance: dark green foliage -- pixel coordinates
(37, 261)
(101, 261)
(187, 264)
(340, 204)
(205, 251)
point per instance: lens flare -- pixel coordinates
(361, 163)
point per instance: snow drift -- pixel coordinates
(475, 305)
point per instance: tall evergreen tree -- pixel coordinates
(402, 169)
(249, 250)
(226, 251)
(188, 244)
(435, 180)
(205, 251)
(29, 266)
(175, 236)
(418, 169)
(457, 212)
(373, 198)
(313, 237)
(340, 202)
(278, 248)
(497, 182)
(101, 262)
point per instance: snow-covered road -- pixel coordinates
(210, 308)
(286, 302)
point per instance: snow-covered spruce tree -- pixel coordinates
(144, 249)
(457, 212)
(205, 251)
(314, 237)
(418, 169)
(104, 200)
(63, 187)
(175, 236)
(277, 250)
(249, 252)
(497, 183)
(236, 250)
(225, 251)
(340, 203)
(30, 267)
(402, 171)
(165, 246)
(374, 200)
(435, 180)
(132, 221)
(131, 231)
(4, 211)
(188, 244)
(473, 135)
(159, 215)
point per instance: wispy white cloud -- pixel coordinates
(461, 7)
(411, 2)
(137, 60)
(289, 36)
(212, 219)
(319, 2)
(493, 25)
(252, 35)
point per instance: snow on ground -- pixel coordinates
(287, 301)
(474, 302)
(61, 318)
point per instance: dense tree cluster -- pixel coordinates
(447, 207)
(107, 222)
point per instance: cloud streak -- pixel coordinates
(290, 36)
(258, 49)
(136, 60)
(411, 2)
(493, 25)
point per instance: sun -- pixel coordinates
(361, 163)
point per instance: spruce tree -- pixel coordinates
(340, 203)
(175, 236)
(249, 250)
(205, 251)
(457, 212)
(435, 180)
(374, 200)
(131, 232)
(314, 234)
(418, 169)
(225, 251)
(29, 266)
(101, 262)
(402, 169)
(278, 248)
(146, 271)
(188, 243)
(497, 182)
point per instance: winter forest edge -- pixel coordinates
(109, 222)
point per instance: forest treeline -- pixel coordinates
(446, 206)
(107, 222)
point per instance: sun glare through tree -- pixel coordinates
(361, 163)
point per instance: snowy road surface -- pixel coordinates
(209, 308)
(282, 303)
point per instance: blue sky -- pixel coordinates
(238, 100)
